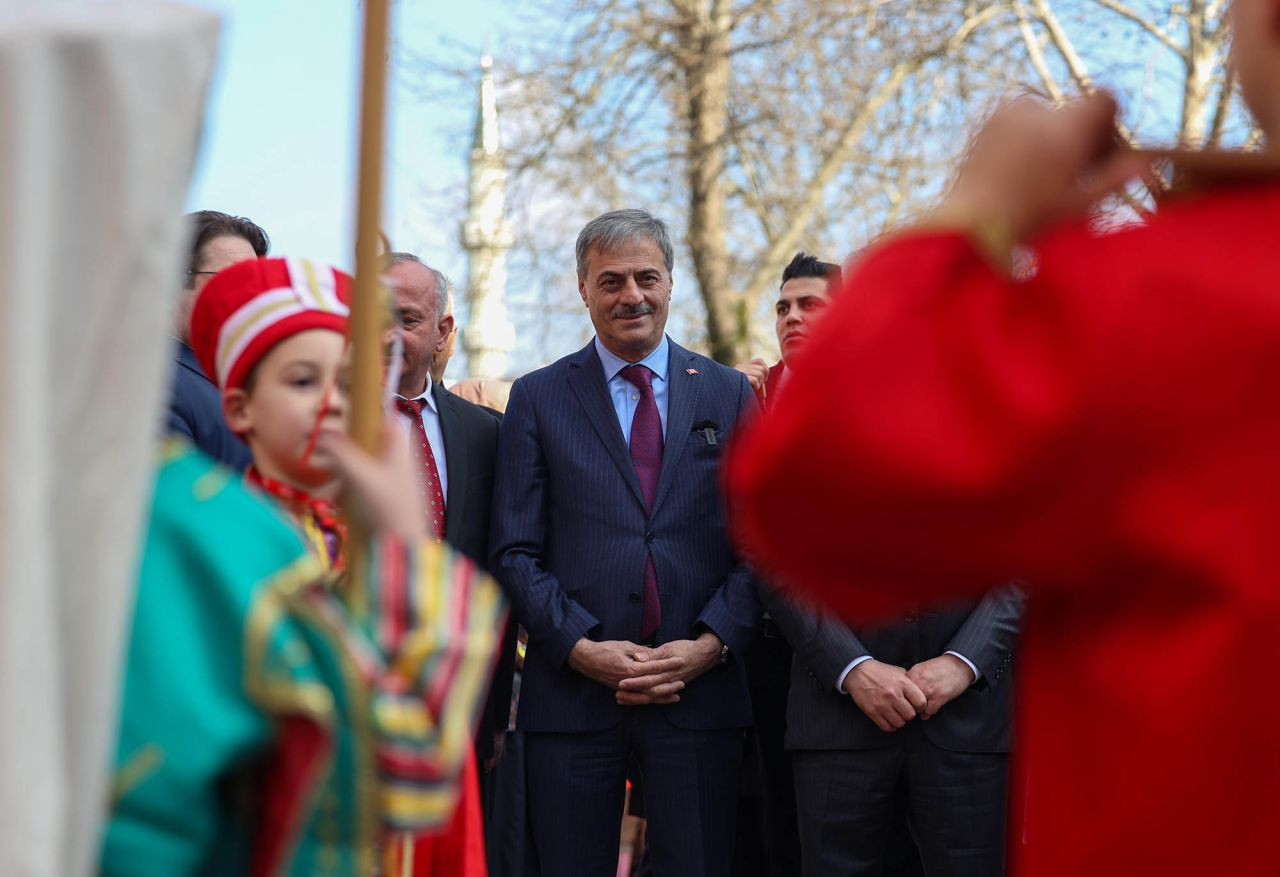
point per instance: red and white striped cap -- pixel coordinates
(250, 307)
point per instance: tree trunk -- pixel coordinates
(1201, 59)
(704, 62)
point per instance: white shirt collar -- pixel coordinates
(656, 361)
(428, 400)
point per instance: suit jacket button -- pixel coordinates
(634, 597)
(651, 537)
(909, 616)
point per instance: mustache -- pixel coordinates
(639, 310)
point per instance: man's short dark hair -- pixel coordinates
(806, 265)
(209, 224)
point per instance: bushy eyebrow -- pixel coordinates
(610, 272)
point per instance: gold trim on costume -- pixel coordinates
(142, 764)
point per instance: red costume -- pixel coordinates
(1106, 431)
(771, 386)
(242, 314)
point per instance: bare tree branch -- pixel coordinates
(1063, 44)
(1146, 24)
(1036, 55)
(789, 237)
(1226, 95)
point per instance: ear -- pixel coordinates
(446, 331)
(235, 407)
(582, 289)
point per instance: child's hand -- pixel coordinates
(385, 490)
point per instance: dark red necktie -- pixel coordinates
(646, 456)
(431, 489)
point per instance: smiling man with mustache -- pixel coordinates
(609, 534)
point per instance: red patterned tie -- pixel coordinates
(646, 456)
(430, 474)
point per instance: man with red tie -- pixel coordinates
(610, 537)
(456, 443)
(1104, 428)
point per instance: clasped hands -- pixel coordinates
(891, 696)
(640, 675)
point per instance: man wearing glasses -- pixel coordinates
(218, 240)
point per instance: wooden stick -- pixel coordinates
(1198, 170)
(367, 308)
(1219, 162)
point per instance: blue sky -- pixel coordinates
(280, 138)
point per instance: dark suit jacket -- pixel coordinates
(470, 448)
(820, 717)
(195, 412)
(571, 535)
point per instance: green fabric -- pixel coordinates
(236, 624)
(186, 721)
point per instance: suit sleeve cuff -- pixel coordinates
(578, 624)
(977, 674)
(847, 670)
(722, 626)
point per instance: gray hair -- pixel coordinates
(444, 286)
(610, 231)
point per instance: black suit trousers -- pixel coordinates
(767, 843)
(956, 806)
(577, 781)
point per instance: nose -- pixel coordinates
(338, 402)
(630, 293)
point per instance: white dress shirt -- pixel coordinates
(435, 436)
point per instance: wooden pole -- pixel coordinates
(1199, 170)
(368, 311)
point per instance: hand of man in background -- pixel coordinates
(661, 685)
(942, 679)
(885, 692)
(757, 372)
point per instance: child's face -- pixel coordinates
(291, 385)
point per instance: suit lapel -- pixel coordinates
(586, 378)
(682, 401)
(456, 460)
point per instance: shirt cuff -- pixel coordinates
(849, 669)
(977, 674)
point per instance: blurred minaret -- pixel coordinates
(488, 336)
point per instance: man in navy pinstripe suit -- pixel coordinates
(609, 535)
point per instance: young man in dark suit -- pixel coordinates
(609, 535)
(218, 240)
(858, 750)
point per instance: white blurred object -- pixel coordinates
(100, 111)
